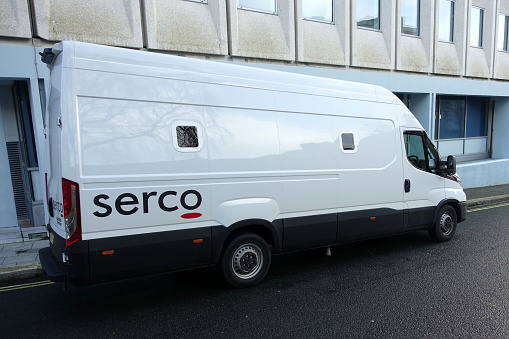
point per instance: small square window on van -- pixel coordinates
(347, 141)
(187, 136)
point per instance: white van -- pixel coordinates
(158, 163)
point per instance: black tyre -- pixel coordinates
(445, 224)
(246, 260)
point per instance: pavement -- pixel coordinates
(19, 246)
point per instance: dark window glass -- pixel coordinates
(187, 136)
(452, 117)
(421, 152)
(477, 117)
(348, 141)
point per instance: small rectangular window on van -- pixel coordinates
(348, 141)
(187, 136)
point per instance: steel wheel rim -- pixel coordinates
(247, 261)
(446, 223)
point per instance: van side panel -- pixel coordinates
(310, 180)
(370, 196)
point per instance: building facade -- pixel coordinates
(448, 60)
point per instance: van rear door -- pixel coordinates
(54, 162)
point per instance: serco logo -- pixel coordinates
(129, 203)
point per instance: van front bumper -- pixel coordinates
(463, 212)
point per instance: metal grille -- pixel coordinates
(14, 155)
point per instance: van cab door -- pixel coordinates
(423, 185)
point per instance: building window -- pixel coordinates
(318, 10)
(503, 25)
(268, 6)
(410, 17)
(462, 125)
(368, 14)
(476, 23)
(446, 20)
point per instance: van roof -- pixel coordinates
(113, 59)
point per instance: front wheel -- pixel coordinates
(246, 260)
(445, 225)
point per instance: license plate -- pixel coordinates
(51, 237)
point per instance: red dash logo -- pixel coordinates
(190, 215)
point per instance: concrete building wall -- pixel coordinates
(501, 63)
(450, 56)
(112, 22)
(15, 19)
(262, 35)
(374, 48)
(186, 26)
(480, 59)
(415, 53)
(321, 42)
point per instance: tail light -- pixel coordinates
(72, 215)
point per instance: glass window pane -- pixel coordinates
(415, 150)
(476, 20)
(500, 32)
(261, 5)
(317, 10)
(477, 117)
(452, 117)
(410, 17)
(368, 14)
(445, 20)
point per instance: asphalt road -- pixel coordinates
(398, 287)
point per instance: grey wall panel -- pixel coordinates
(112, 22)
(450, 56)
(324, 43)
(480, 59)
(187, 26)
(371, 48)
(14, 19)
(263, 35)
(501, 59)
(415, 53)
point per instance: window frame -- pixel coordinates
(427, 146)
(379, 29)
(480, 39)
(418, 35)
(465, 139)
(505, 43)
(451, 22)
(275, 12)
(199, 136)
(318, 20)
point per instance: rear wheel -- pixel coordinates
(246, 260)
(445, 225)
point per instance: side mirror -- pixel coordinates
(451, 165)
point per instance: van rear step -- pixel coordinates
(51, 266)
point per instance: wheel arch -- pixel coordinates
(271, 232)
(454, 204)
